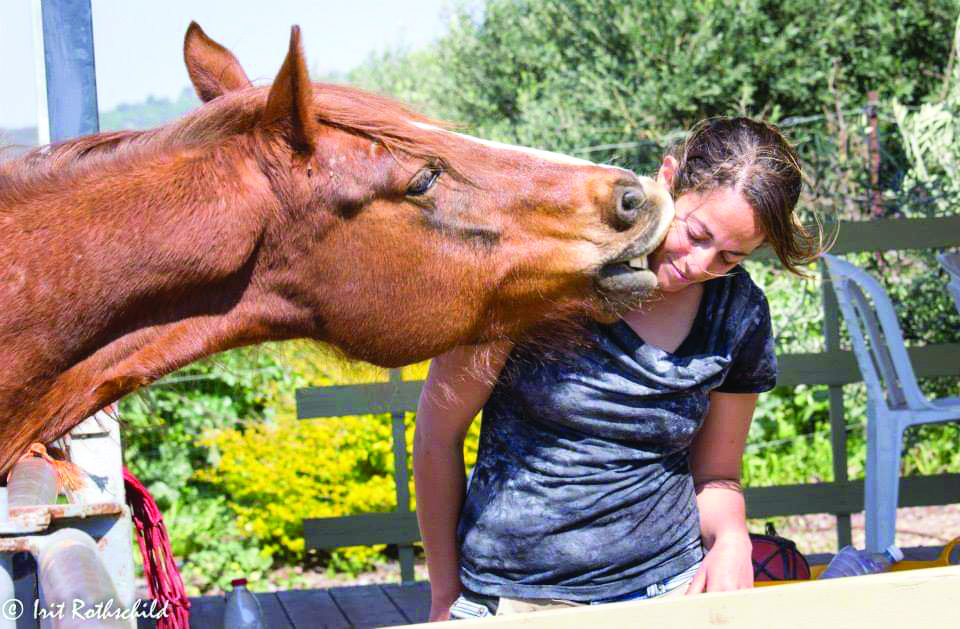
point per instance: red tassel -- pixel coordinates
(159, 568)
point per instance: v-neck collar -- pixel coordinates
(688, 344)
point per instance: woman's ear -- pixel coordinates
(667, 171)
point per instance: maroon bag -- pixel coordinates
(776, 558)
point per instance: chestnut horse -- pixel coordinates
(294, 210)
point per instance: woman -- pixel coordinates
(614, 474)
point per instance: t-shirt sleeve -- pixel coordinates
(754, 366)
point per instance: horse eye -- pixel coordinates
(423, 181)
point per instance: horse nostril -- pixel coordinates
(628, 210)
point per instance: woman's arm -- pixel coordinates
(455, 391)
(715, 461)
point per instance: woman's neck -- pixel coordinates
(666, 320)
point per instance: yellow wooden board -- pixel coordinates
(906, 600)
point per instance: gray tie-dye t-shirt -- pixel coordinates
(582, 488)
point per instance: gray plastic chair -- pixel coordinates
(894, 400)
(951, 264)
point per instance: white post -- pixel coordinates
(95, 446)
(40, 69)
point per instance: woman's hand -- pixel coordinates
(726, 567)
(440, 607)
(444, 591)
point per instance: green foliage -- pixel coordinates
(409, 76)
(161, 426)
(281, 473)
(278, 475)
(203, 531)
(786, 443)
(581, 75)
(161, 422)
(930, 142)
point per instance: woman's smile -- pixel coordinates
(679, 273)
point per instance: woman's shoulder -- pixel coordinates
(738, 301)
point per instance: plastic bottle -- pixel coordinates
(32, 481)
(242, 610)
(850, 562)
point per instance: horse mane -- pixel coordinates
(350, 109)
(55, 164)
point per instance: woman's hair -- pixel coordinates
(753, 158)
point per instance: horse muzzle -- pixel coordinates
(646, 211)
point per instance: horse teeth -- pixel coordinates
(638, 263)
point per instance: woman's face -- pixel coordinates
(711, 233)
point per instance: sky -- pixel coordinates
(139, 43)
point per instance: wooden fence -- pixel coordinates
(832, 367)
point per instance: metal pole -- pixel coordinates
(43, 121)
(876, 207)
(71, 81)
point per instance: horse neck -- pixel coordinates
(116, 257)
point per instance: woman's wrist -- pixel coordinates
(733, 536)
(444, 593)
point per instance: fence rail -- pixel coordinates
(832, 367)
(762, 502)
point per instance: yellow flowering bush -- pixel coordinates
(276, 474)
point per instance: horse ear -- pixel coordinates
(291, 98)
(213, 69)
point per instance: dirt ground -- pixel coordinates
(916, 526)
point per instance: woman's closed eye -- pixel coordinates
(700, 236)
(696, 235)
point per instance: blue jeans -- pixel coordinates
(473, 605)
(655, 589)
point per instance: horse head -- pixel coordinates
(401, 238)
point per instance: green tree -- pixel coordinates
(581, 75)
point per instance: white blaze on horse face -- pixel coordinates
(550, 156)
